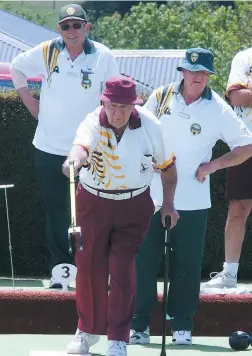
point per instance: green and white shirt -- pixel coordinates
(192, 131)
(241, 69)
(70, 89)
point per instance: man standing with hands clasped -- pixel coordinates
(194, 118)
(73, 69)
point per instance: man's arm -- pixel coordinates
(28, 64)
(29, 101)
(83, 144)
(242, 97)
(78, 155)
(239, 139)
(166, 164)
(239, 87)
(237, 156)
(169, 182)
(20, 83)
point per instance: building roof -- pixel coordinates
(152, 68)
(23, 30)
(10, 47)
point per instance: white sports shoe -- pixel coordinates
(182, 337)
(116, 348)
(139, 337)
(82, 342)
(221, 280)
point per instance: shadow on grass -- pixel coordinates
(196, 347)
(7, 282)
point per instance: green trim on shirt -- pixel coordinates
(89, 47)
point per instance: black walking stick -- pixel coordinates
(166, 268)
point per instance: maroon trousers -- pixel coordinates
(112, 231)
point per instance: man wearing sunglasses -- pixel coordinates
(73, 69)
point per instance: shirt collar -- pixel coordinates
(89, 47)
(134, 120)
(206, 94)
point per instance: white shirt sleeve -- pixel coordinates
(165, 159)
(163, 153)
(87, 133)
(233, 131)
(31, 63)
(238, 77)
(151, 103)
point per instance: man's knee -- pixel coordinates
(239, 209)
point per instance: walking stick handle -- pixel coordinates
(167, 222)
(6, 186)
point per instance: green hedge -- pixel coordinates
(26, 207)
(30, 254)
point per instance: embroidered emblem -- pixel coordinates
(195, 129)
(194, 56)
(86, 81)
(70, 10)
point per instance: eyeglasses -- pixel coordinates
(66, 26)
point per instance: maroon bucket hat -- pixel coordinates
(121, 90)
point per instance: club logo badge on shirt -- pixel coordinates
(194, 56)
(195, 129)
(86, 81)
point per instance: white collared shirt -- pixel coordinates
(192, 131)
(241, 68)
(127, 164)
(65, 100)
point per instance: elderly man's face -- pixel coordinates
(195, 81)
(118, 114)
(73, 32)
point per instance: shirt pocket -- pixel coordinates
(146, 163)
(146, 170)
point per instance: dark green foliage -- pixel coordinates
(25, 204)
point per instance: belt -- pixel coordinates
(115, 196)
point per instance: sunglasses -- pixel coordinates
(66, 26)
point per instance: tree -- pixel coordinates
(96, 9)
(180, 25)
